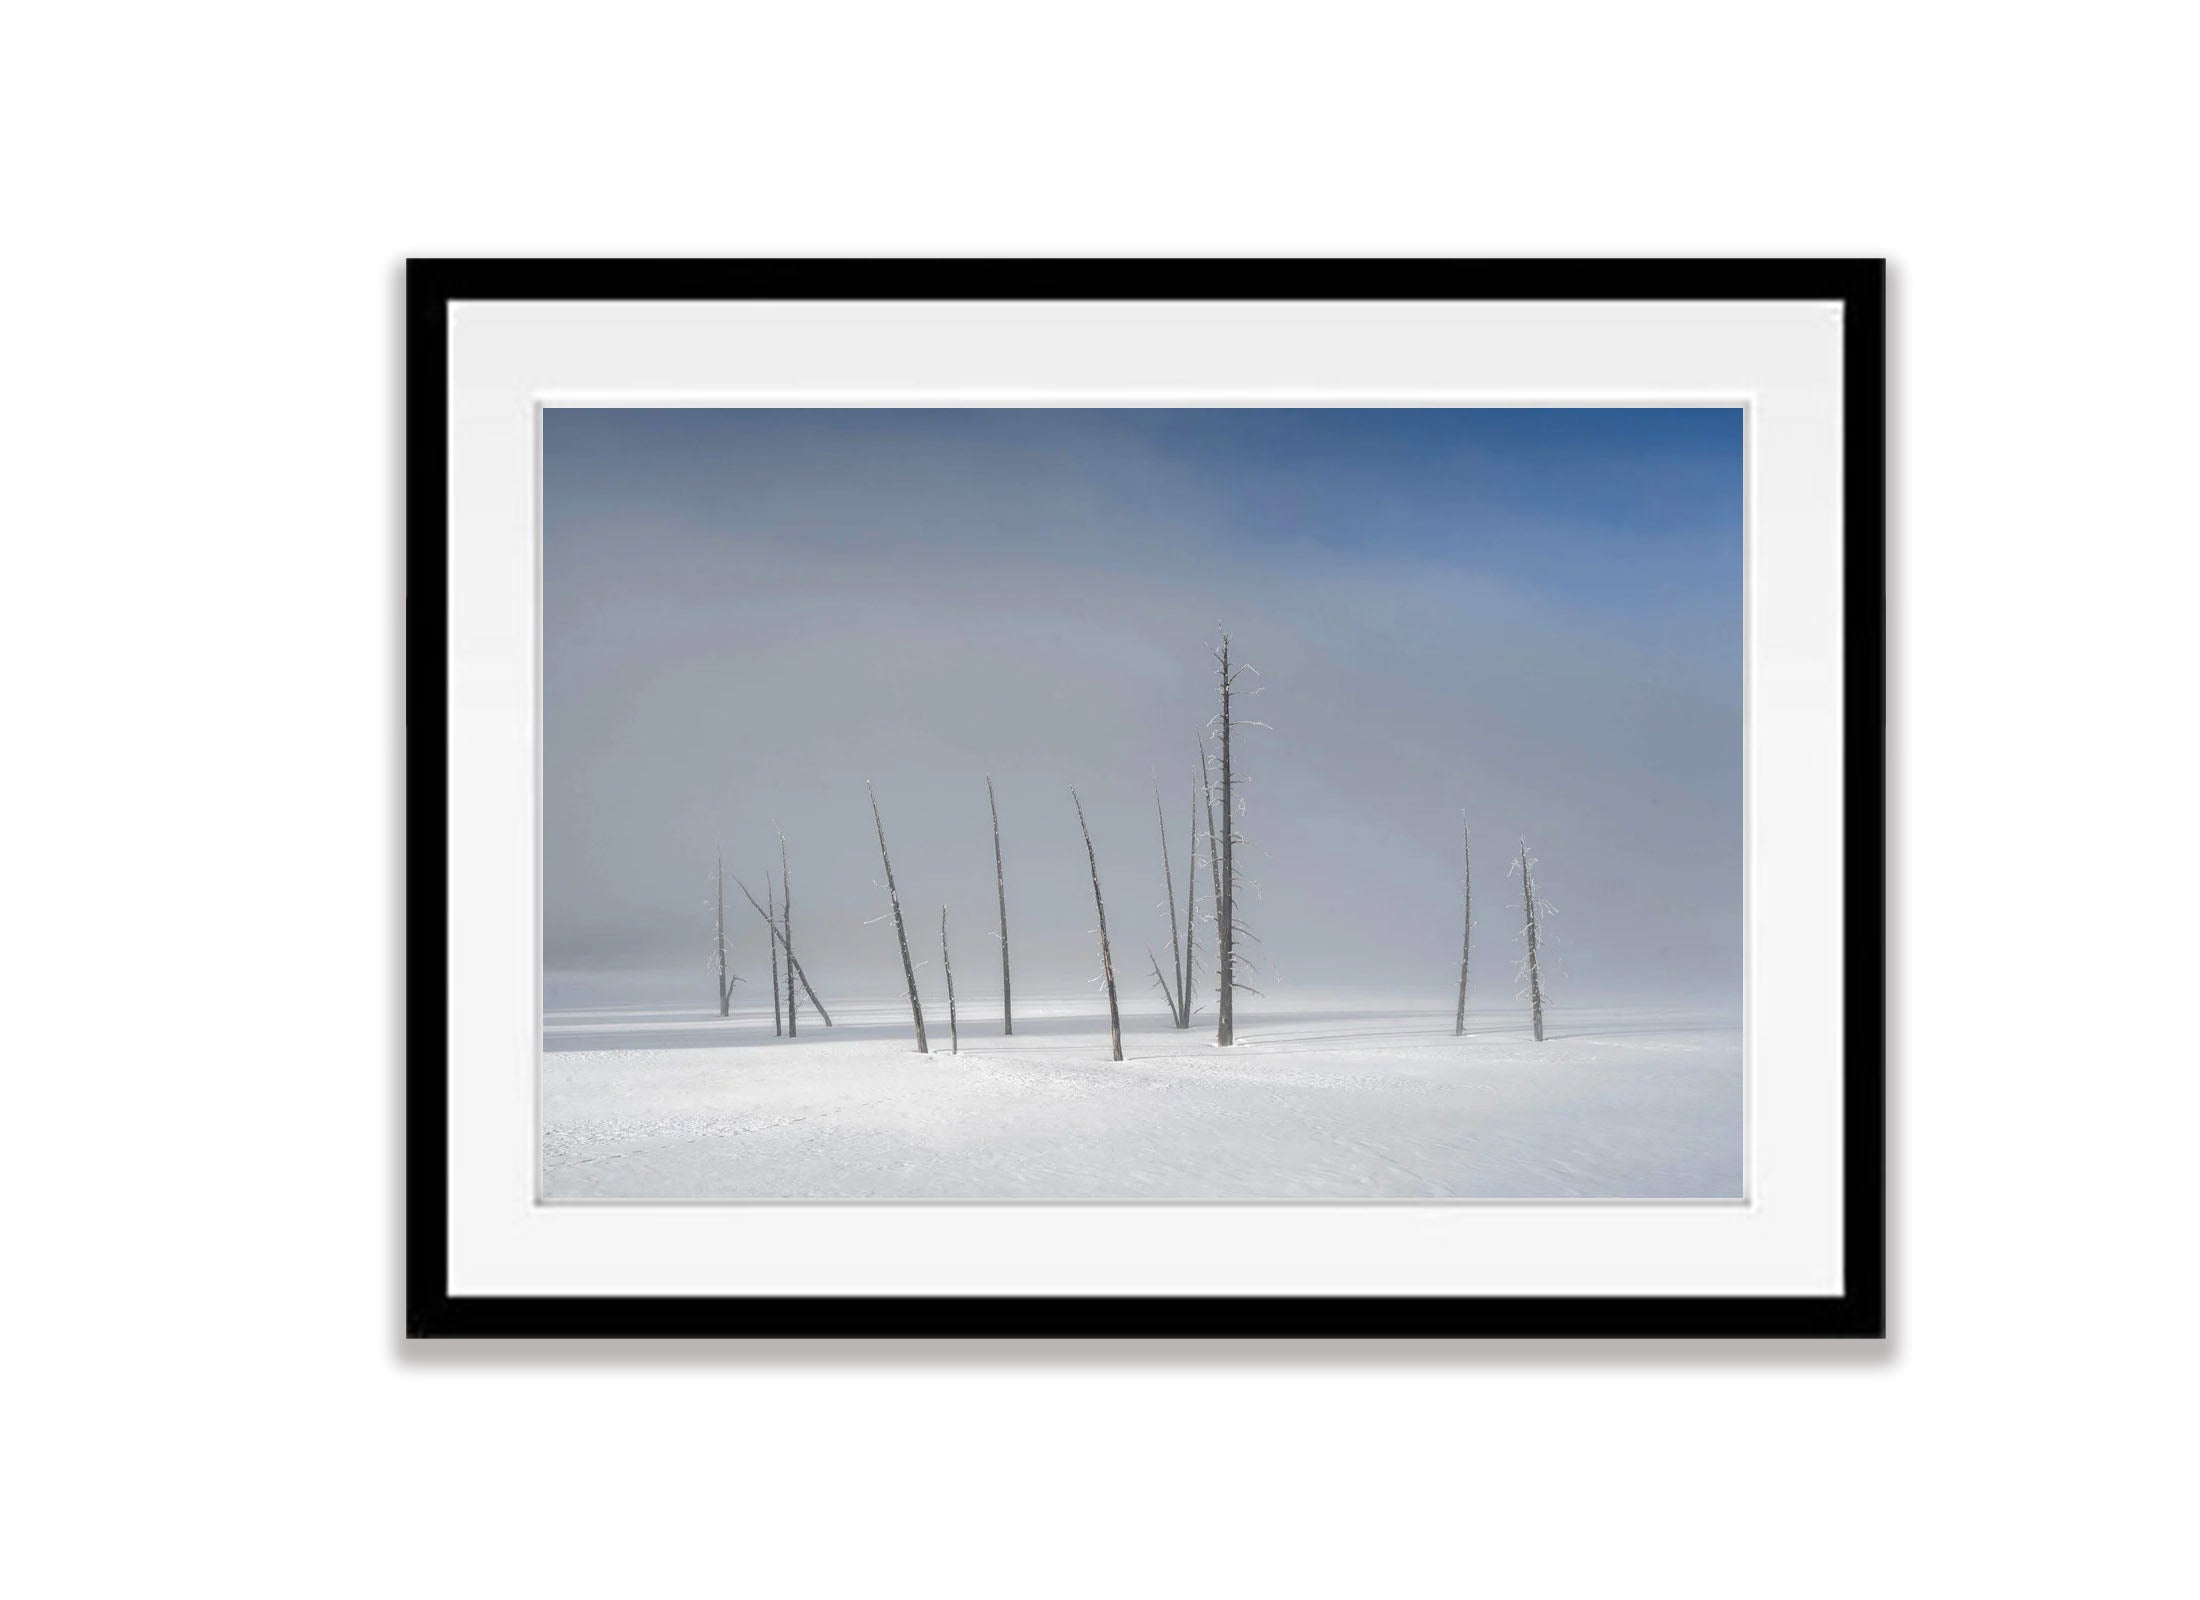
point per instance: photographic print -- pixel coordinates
(1142, 803)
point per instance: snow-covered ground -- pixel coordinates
(1322, 1098)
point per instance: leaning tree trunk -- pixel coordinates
(1000, 895)
(725, 989)
(1466, 895)
(947, 965)
(772, 927)
(1107, 958)
(901, 934)
(1161, 982)
(1225, 944)
(1180, 1001)
(771, 920)
(1535, 975)
(786, 928)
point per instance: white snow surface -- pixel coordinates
(1322, 1098)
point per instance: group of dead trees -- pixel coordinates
(1529, 974)
(1222, 842)
(1217, 798)
(1176, 984)
(1230, 961)
(778, 915)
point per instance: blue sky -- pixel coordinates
(1629, 506)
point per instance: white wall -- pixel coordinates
(209, 205)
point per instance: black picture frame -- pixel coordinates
(432, 1311)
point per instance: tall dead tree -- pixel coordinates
(1228, 930)
(1214, 852)
(786, 927)
(772, 924)
(1533, 971)
(1180, 997)
(771, 921)
(1466, 932)
(1107, 956)
(947, 965)
(901, 934)
(1000, 895)
(726, 980)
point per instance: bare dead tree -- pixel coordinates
(1214, 852)
(1000, 895)
(954, 1037)
(1107, 957)
(1466, 895)
(1191, 909)
(1225, 945)
(1179, 999)
(901, 934)
(786, 926)
(769, 922)
(726, 980)
(1530, 968)
(1228, 930)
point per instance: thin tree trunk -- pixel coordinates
(901, 934)
(725, 989)
(809, 993)
(1214, 854)
(1162, 982)
(1227, 978)
(954, 1036)
(1107, 957)
(771, 920)
(1466, 894)
(1191, 908)
(786, 928)
(1000, 895)
(1535, 975)
(1180, 1002)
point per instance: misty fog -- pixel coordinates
(1534, 616)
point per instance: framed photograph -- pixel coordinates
(1145, 798)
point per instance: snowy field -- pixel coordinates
(1322, 1098)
